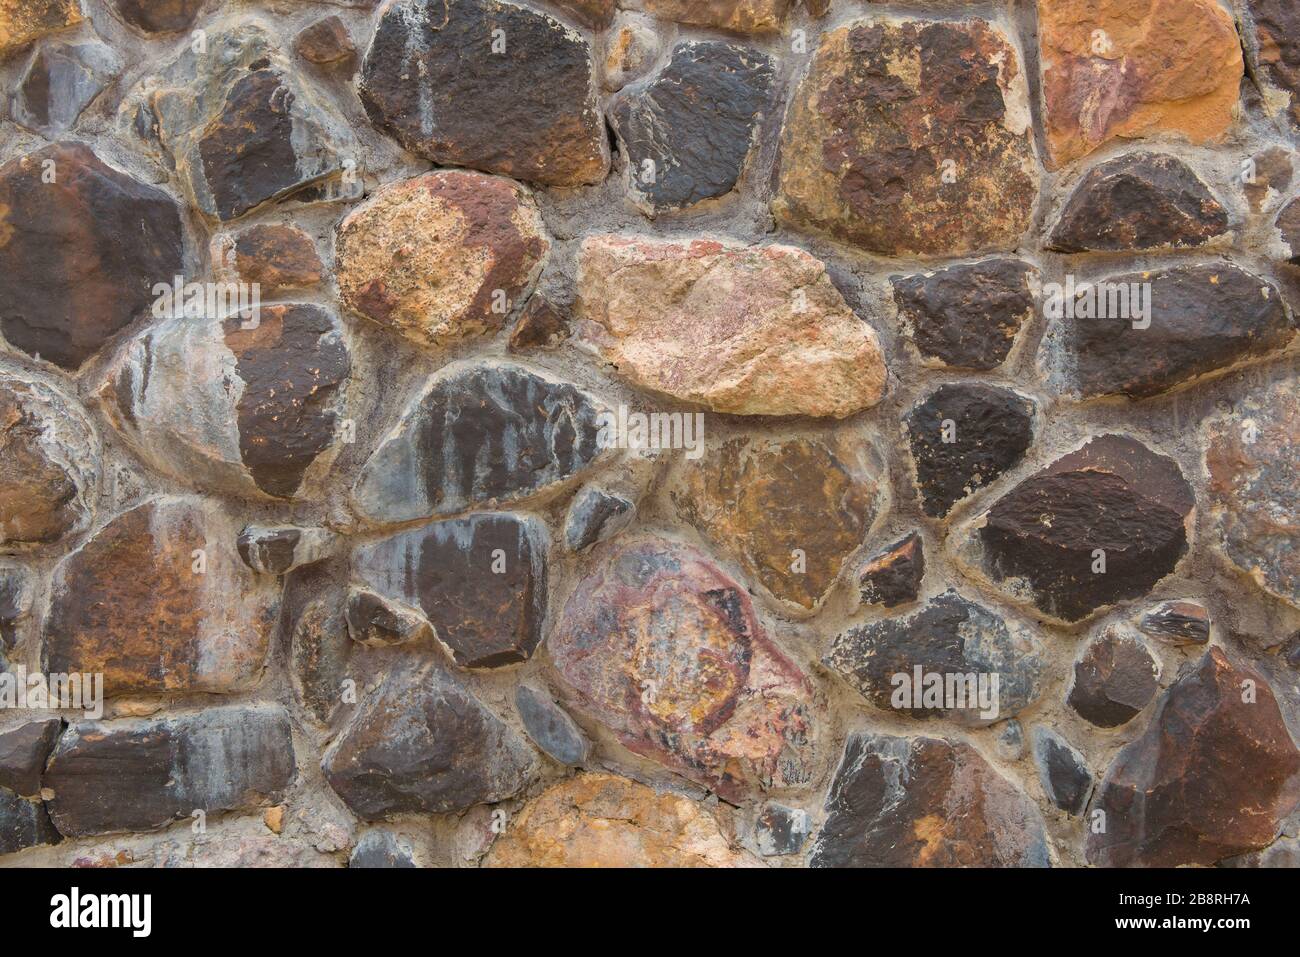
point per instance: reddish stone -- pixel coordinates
(275, 256)
(325, 41)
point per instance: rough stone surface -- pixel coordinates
(631, 49)
(377, 621)
(894, 576)
(382, 849)
(740, 16)
(1273, 42)
(23, 823)
(550, 727)
(276, 256)
(1178, 623)
(22, 21)
(728, 326)
(780, 830)
(23, 751)
(326, 41)
(1288, 224)
(15, 605)
(1062, 771)
(596, 515)
(1213, 776)
(315, 631)
(597, 14)
(541, 325)
(911, 137)
(278, 550)
(60, 82)
(158, 16)
(1115, 677)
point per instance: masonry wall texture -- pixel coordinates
(369, 584)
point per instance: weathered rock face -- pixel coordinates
(1178, 623)
(422, 743)
(911, 137)
(378, 621)
(1213, 776)
(593, 13)
(15, 605)
(894, 576)
(741, 16)
(1062, 771)
(1273, 43)
(1288, 225)
(441, 258)
(753, 499)
(1123, 69)
(481, 581)
(158, 16)
(665, 650)
(728, 327)
(966, 316)
(48, 477)
(23, 824)
(780, 830)
(1178, 324)
(1114, 679)
(600, 820)
(631, 48)
(688, 135)
(277, 257)
(541, 325)
(264, 399)
(60, 82)
(139, 775)
(1253, 460)
(314, 630)
(23, 752)
(80, 252)
(481, 435)
(530, 76)
(381, 849)
(1098, 526)
(925, 802)
(961, 643)
(325, 42)
(595, 516)
(278, 549)
(550, 727)
(22, 22)
(146, 603)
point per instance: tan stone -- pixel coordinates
(741, 16)
(22, 21)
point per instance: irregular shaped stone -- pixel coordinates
(925, 802)
(911, 138)
(146, 602)
(1113, 505)
(159, 16)
(319, 649)
(1062, 771)
(265, 397)
(952, 659)
(630, 51)
(481, 580)
(48, 464)
(1253, 462)
(23, 752)
(1213, 776)
(780, 830)
(278, 550)
(739, 16)
(421, 743)
(599, 820)
(378, 622)
(1114, 679)
(78, 255)
(728, 327)
(382, 849)
(15, 605)
(1124, 69)
(137, 775)
(1138, 202)
(325, 42)
(688, 135)
(276, 256)
(894, 576)
(967, 316)
(1178, 623)
(538, 119)
(1010, 742)
(61, 81)
(660, 646)
(791, 511)
(593, 13)
(22, 22)
(1288, 224)
(962, 437)
(540, 326)
(441, 258)
(550, 727)
(1267, 177)
(480, 435)
(1284, 852)
(23, 823)
(1275, 54)
(596, 515)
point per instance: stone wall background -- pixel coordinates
(225, 688)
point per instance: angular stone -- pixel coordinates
(550, 727)
(378, 622)
(319, 648)
(61, 81)
(911, 138)
(137, 775)
(1214, 775)
(1284, 852)
(1062, 771)
(79, 255)
(1114, 679)
(962, 437)
(688, 135)
(599, 820)
(278, 550)
(159, 16)
(1288, 224)
(22, 22)
(541, 325)
(23, 752)
(1178, 623)
(325, 42)
(728, 327)
(423, 744)
(382, 849)
(1271, 172)
(1138, 202)
(147, 602)
(596, 515)
(790, 510)
(597, 14)
(739, 16)
(1113, 501)
(23, 823)
(276, 256)
(1274, 44)
(480, 435)
(894, 576)
(15, 604)
(1010, 742)
(660, 646)
(630, 51)
(536, 117)
(481, 580)
(48, 464)
(1124, 69)
(925, 802)
(441, 258)
(264, 400)
(966, 316)
(963, 643)
(1253, 460)
(780, 830)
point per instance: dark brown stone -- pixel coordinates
(275, 256)
(596, 515)
(159, 16)
(1062, 771)
(541, 326)
(378, 622)
(23, 824)
(741, 16)
(1276, 47)
(894, 576)
(1114, 679)
(314, 629)
(23, 752)
(1270, 174)
(1178, 623)
(15, 605)
(325, 41)
(1288, 224)
(597, 14)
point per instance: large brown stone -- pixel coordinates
(727, 326)
(159, 16)
(657, 643)
(22, 21)
(740, 16)
(911, 137)
(1214, 775)
(1135, 68)
(441, 258)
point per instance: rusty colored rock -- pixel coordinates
(1115, 677)
(728, 327)
(541, 326)
(597, 14)
(740, 16)
(911, 138)
(441, 258)
(325, 42)
(159, 16)
(22, 21)
(1126, 69)
(275, 256)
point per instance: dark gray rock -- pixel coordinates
(780, 830)
(1178, 623)
(1062, 770)
(23, 752)
(596, 515)
(15, 604)
(550, 727)
(1114, 679)
(23, 824)
(382, 849)
(61, 80)
(314, 629)
(1010, 742)
(378, 622)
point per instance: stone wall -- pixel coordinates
(650, 424)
